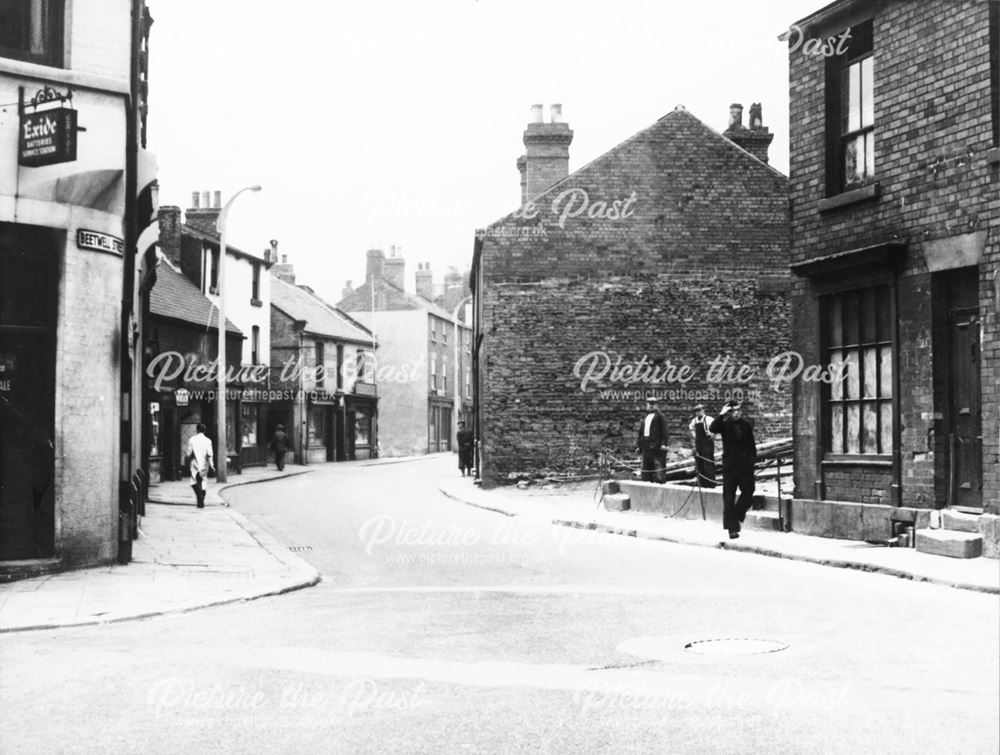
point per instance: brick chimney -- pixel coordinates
(347, 290)
(283, 270)
(425, 281)
(203, 212)
(546, 158)
(375, 267)
(756, 139)
(394, 267)
(169, 217)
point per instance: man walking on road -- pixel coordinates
(739, 454)
(652, 443)
(199, 455)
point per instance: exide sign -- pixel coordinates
(47, 137)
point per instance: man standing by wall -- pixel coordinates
(739, 454)
(652, 442)
(704, 447)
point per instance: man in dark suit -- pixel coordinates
(739, 454)
(279, 444)
(466, 447)
(652, 443)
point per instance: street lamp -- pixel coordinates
(220, 391)
(458, 373)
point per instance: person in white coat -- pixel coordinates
(199, 455)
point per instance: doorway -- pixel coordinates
(29, 293)
(964, 418)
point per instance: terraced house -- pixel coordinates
(895, 184)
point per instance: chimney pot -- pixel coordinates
(756, 117)
(736, 115)
(284, 259)
(206, 199)
(555, 113)
(218, 199)
(195, 197)
(536, 114)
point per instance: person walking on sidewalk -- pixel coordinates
(466, 445)
(652, 443)
(279, 444)
(739, 454)
(199, 455)
(704, 447)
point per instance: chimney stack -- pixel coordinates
(546, 158)
(394, 268)
(375, 267)
(169, 217)
(755, 139)
(736, 115)
(347, 291)
(283, 270)
(425, 281)
(202, 215)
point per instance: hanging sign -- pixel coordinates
(47, 137)
(46, 134)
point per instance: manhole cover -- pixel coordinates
(734, 647)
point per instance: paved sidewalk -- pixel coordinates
(185, 558)
(577, 506)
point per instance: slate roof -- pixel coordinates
(395, 299)
(176, 297)
(320, 318)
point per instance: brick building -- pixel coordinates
(72, 133)
(183, 328)
(660, 268)
(322, 375)
(895, 250)
(192, 247)
(424, 358)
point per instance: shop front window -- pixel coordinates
(316, 426)
(363, 427)
(249, 425)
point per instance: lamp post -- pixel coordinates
(220, 391)
(458, 373)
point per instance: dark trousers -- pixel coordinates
(279, 460)
(465, 459)
(734, 510)
(704, 465)
(653, 463)
(199, 490)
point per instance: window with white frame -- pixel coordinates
(851, 113)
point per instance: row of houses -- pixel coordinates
(364, 378)
(680, 264)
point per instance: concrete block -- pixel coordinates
(959, 521)
(616, 502)
(949, 543)
(989, 529)
(763, 520)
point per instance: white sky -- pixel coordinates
(399, 123)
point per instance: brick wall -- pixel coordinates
(934, 131)
(691, 264)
